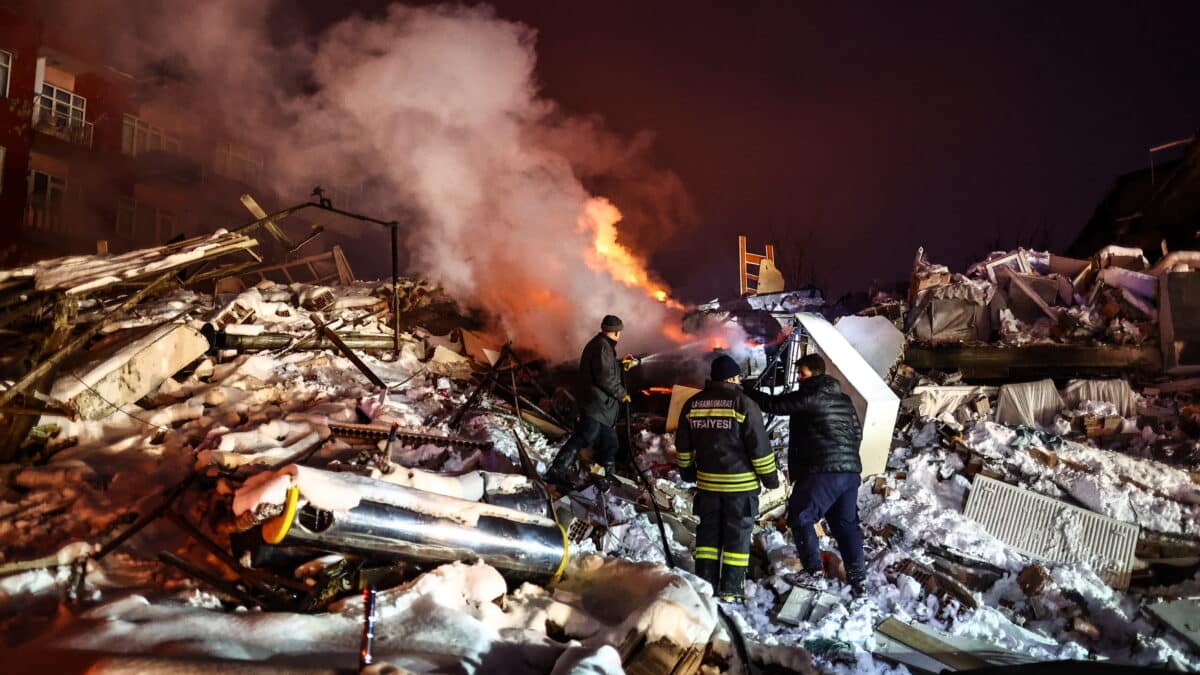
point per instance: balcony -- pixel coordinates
(62, 126)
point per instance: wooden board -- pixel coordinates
(679, 395)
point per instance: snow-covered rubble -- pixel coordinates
(234, 420)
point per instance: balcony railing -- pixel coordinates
(70, 129)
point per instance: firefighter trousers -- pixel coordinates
(723, 538)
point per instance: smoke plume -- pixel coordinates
(436, 111)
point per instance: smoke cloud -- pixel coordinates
(436, 113)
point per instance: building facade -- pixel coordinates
(94, 157)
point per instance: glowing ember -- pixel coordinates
(657, 390)
(600, 218)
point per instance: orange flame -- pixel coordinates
(600, 218)
(656, 390)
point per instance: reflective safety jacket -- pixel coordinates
(722, 443)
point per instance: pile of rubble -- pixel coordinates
(1114, 311)
(201, 460)
(160, 428)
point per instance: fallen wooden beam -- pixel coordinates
(994, 361)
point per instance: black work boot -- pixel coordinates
(708, 570)
(733, 583)
(557, 473)
(858, 583)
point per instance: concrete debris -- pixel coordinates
(135, 369)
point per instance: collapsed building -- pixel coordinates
(210, 457)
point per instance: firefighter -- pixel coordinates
(723, 448)
(599, 392)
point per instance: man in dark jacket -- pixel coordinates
(825, 467)
(723, 448)
(599, 393)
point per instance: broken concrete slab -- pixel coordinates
(806, 604)
(135, 370)
(1046, 528)
(1183, 616)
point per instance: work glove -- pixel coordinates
(630, 362)
(625, 399)
(771, 480)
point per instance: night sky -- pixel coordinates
(864, 131)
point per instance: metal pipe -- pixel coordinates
(395, 290)
(398, 522)
(273, 341)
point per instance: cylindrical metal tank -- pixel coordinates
(410, 524)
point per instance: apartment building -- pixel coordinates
(91, 154)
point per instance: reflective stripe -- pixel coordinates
(761, 461)
(685, 459)
(740, 556)
(706, 553)
(716, 412)
(723, 487)
(725, 477)
(736, 563)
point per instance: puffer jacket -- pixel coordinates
(722, 443)
(825, 432)
(598, 387)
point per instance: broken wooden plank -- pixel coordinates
(1042, 527)
(934, 650)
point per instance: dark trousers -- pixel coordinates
(588, 433)
(834, 497)
(723, 538)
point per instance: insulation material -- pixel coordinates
(875, 338)
(877, 405)
(1039, 526)
(1116, 392)
(1033, 404)
(950, 320)
(935, 401)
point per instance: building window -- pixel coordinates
(239, 163)
(126, 210)
(62, 113)
(144, 222)
(138, 136)
(43, 210)
(5, 72)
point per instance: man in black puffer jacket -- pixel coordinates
(599, 392)
(825, 466)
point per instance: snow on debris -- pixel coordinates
(247, 426)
